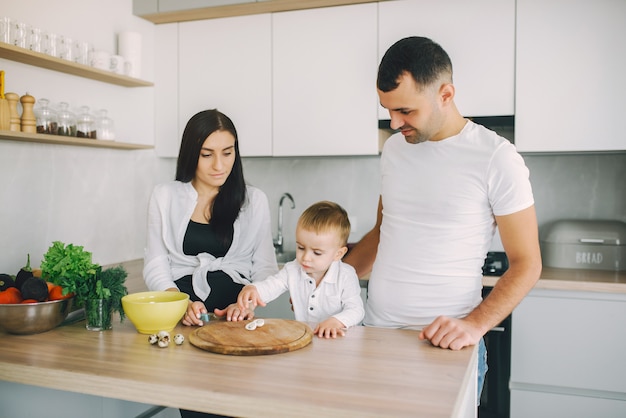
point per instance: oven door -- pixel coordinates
(495, 399)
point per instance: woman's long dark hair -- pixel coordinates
(232, 194)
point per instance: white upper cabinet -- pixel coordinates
(225, 64)
(570, 85)
(324, 74)
(479, 37)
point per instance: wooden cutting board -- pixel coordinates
(276, 336)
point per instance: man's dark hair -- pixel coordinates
(424, 59)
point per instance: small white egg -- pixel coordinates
(179, 338)
(153, 339)
(164, 343)
(259, 322)
(251, 326)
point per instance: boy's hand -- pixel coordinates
(249, 298)
(330, 328)
(234, 313)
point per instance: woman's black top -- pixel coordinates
(201, 238)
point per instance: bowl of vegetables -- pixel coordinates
(30, 304)
(34, 317)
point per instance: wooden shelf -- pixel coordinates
(68, 140)
(38, 59)
(241, 9)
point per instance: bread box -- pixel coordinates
(583, 244)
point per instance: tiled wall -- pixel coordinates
(565, 186)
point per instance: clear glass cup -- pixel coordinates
(47, 121)
(105, 128)
(66, 48)
(82, 52)
(5, 29)
(19, 34)
(51, 44)
(67, 120)
(35, 39)
(98, 314)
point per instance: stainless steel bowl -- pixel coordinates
(33, 318)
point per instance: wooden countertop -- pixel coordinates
(551, 278)
(371, 372)
(573, 279)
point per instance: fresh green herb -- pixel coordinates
(71, 267)
(110, 284)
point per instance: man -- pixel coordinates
(445, 186)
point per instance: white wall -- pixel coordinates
(87, 196)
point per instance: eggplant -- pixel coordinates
(25, 273)
(6, 281)
(35, 288)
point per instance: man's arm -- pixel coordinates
(519, 234)
(363, 254)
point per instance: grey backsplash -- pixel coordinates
(566, 186)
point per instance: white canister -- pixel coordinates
(117, 64)
(101, 60)
(129, 46)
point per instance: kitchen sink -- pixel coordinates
(285, 256)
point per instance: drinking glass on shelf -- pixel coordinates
(66, 48)
(51, 44)
(82, 52)
(5, 29)
(20, 34)
(35, 39)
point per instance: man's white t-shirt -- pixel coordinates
(439, 201)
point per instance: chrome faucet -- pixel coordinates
(278, 242)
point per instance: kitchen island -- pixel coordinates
(371, 372)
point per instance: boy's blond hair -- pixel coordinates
(326, 216)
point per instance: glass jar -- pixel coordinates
(46, 118)
(105, 128)
(85, 124)
(67, 121)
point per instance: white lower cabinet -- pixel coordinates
(525, 404)
(567, 355)
(21, 401)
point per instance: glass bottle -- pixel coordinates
(105, 128)
(46, 118)
(85, 124)
(67, 121)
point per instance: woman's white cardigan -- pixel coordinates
(250, 257)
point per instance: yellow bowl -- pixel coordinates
(151, 312)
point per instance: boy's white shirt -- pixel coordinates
(338, 294)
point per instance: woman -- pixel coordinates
(208, 233)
